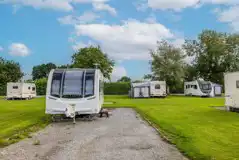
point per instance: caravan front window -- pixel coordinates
(73, 84)
(56, 84)
(89, 83)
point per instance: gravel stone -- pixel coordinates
(123, 136)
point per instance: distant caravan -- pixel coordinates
(202, 88)
(21, 90)
(73, 92)
(148, 89)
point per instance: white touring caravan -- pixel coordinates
(202, 88)
(231, 81)
(148, 89)
(74, 92)
(21, 90)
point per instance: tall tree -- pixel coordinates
(124, 79)
(42, 71)
(215, 53)
(148, 76)
(168, 64)
(10, 71)
(89, 56)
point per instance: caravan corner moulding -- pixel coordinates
(74, 92)
(21, 90)
(231, 81)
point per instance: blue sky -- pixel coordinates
(41, 31)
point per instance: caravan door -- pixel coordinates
(217, 90)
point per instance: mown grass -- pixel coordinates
(19, 118)
(197, 129)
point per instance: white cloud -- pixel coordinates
(118, 72)
(178, 5)
(61, 5)
(230, 16)
(19, 49)
(99, 6)
(130, 40)
(86, 17)
(1, 49)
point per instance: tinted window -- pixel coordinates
(33, 88)
(15, 87)
(56, 84)
(73, 84)
(89, 83)
(157, 86)
(29, 88)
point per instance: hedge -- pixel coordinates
(41, 86)
(116, 88)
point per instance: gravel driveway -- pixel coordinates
(123, 136)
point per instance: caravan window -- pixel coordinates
(89, 83)
(33, 88)
(73, 84)
(15, 87)
(237, 83)
(195, 87)
(157, 86)
(29, 88)
(56, 84)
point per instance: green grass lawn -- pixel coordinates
(18, 118)
(199, 131)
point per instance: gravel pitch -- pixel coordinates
(123, 136)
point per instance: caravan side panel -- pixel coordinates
(14, 90)
(232, 89)
(158, 89)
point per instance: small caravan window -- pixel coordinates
(15, 87)
(56, 84)
(157, 86)
(237, 84)
(73, 84)
(89, 83)
(195, 87)
(33, 88)
(29, 88)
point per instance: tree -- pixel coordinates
(168, 64)
(124, 79)
(10, 71)
(148, 76)
(190, 72)
(89, 56)
(215, 53)
(64, 66)
(42, 71)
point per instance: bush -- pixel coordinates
(116, 88)
(3, 89)
(41, 85)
